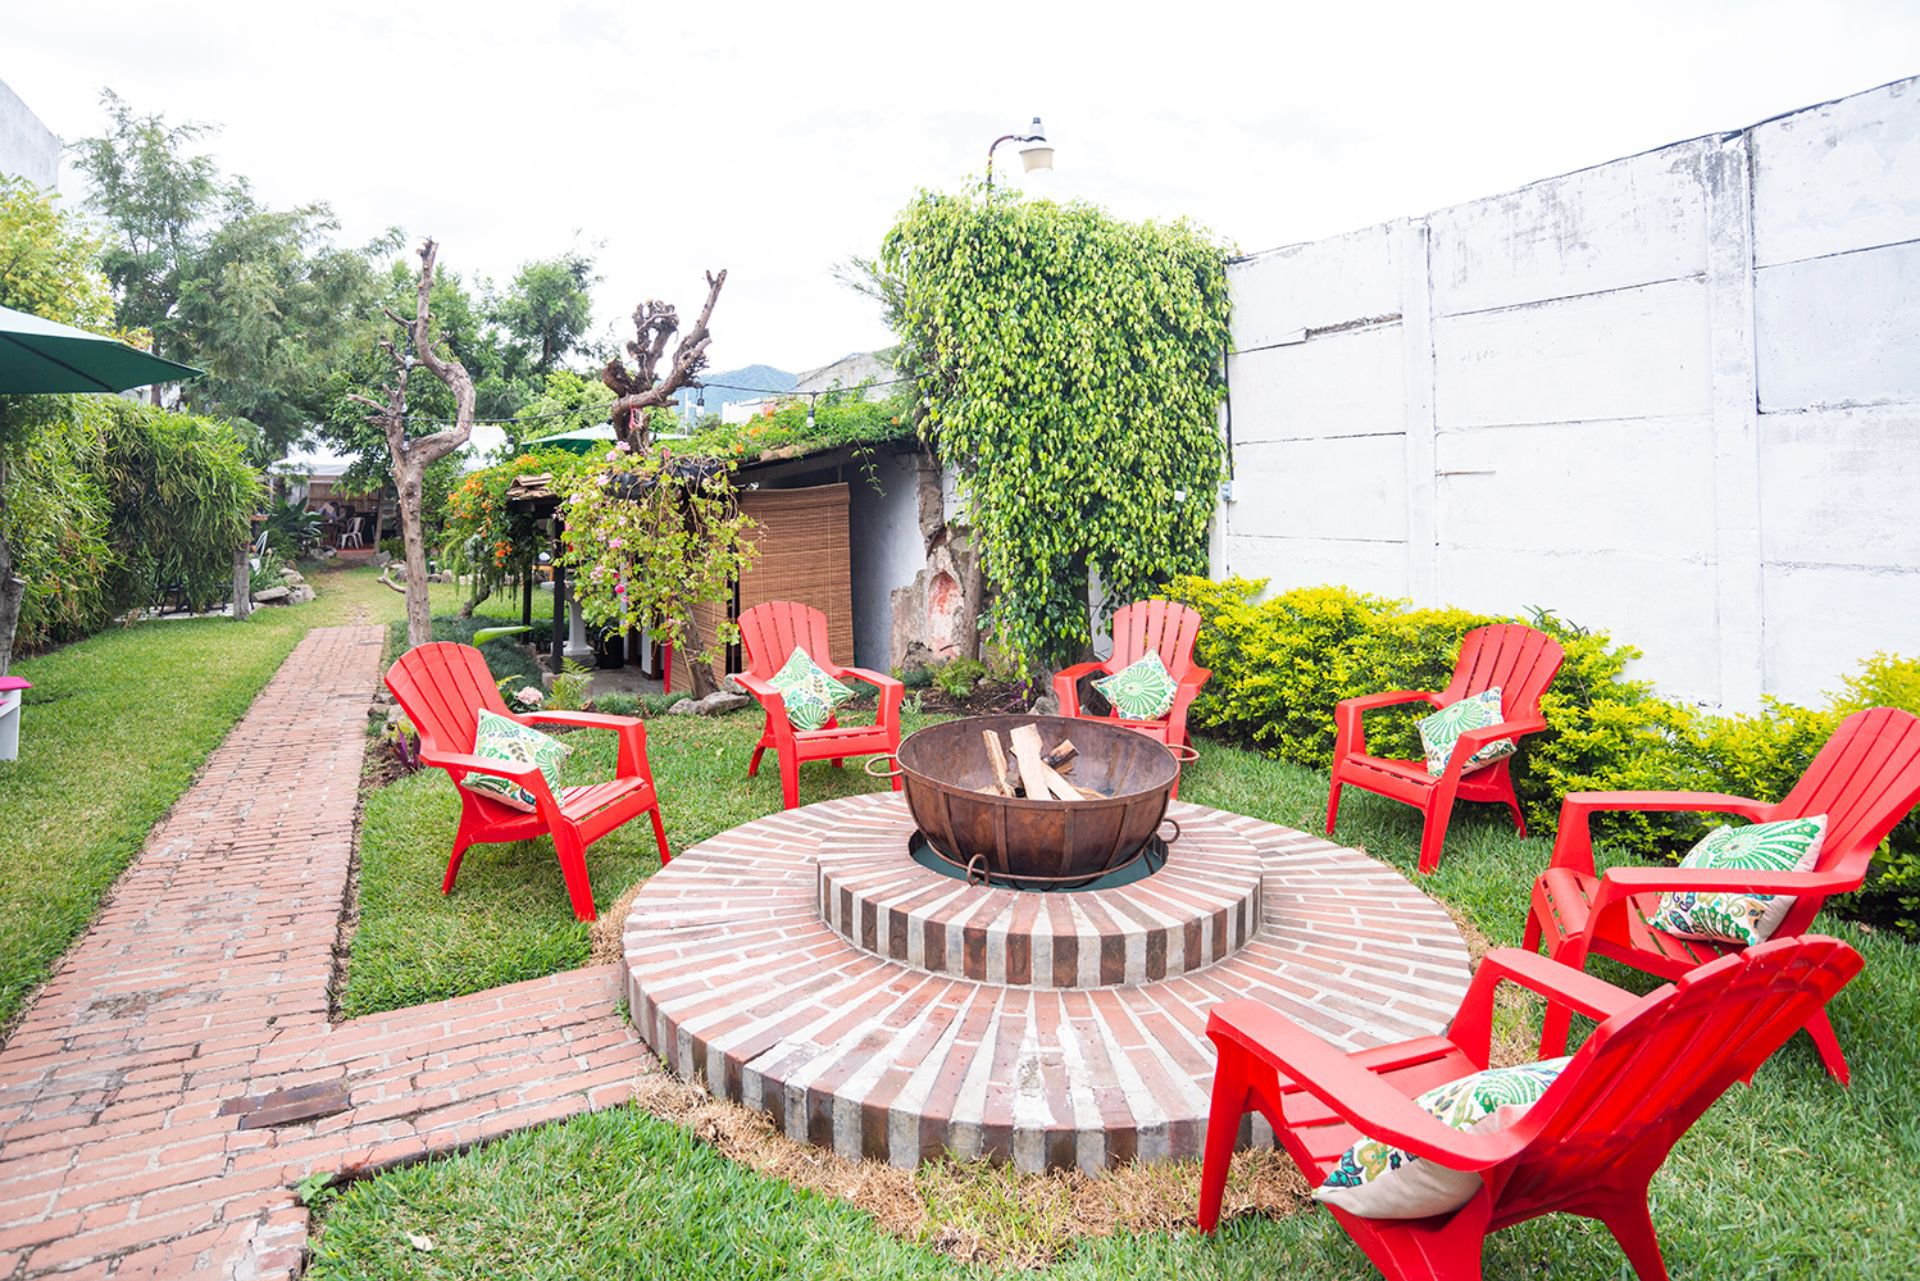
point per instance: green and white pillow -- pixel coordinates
(811, 696)
(1376, 1180)
(1140, 691)
(500, 739)
(1440, 731)
(1788, 845)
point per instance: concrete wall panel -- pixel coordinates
(1843, 488)
(1352, 487)
(1329, 282)
(1308, 562)
(1834, 332)
(1632, 222)
(1632, 353)
(1344, 384)
(1634, 486)
(1823, 619)
(1838, 177)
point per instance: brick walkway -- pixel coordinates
(178, 1074)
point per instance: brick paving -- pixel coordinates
(178, 1075)
(750, 965)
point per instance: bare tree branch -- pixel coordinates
(654, 325)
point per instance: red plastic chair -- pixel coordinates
(1522, 662)
(441, 687)
(1592, 1143)
(1864, 780)
(1145, 627)
(771, 633)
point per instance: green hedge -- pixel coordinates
(1280, 664)
(110, 501)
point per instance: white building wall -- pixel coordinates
(1676, 396)
(28, 149)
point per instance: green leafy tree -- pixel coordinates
(262, 299)
(546, 311)
(1069, 370)
(47, 268)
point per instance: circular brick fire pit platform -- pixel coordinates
(804, 965)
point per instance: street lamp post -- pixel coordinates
(1038, 154)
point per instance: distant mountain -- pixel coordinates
(761, 378)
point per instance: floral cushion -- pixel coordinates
(1140, 691)
(1789, 845)
(500, 739)
(1376, 1180)
(1440, 731)
(811, 696)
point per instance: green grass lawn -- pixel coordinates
(1794, 1177)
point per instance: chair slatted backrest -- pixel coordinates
(441, 686)
(1165, 627)
(772, 631)
(1518, 659)
(1864, 780)
(1646, 1075)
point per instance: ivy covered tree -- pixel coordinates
(1068, 364)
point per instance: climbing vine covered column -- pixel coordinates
(1069, 370)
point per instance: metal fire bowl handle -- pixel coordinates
(1185, 753)
(1176, 830)
(872, 761)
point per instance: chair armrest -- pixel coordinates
(1368, 702)
(1353, 1092)
(1066, 685)
(631, 731)
(1573, 844)
(582, 720)
(878, 680)
(771, 700)
(480, 765)
(759, 687)
(1472, 1028)
(1349, 716)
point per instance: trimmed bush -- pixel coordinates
(1281, 664)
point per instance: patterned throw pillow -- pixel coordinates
(1440, 731)
(1376, 1180)
(1140, 691)
(1789, 845)
(500, 739)
(810, 694)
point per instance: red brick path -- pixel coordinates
(137, 1137)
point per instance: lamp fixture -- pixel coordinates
(1038, 154)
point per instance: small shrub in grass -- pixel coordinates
(914, 677)
(505, 658)
(958, 676)
(616, 704)
(657, 704)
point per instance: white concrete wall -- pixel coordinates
(28, 149)
(883, 528)
(1676, 396)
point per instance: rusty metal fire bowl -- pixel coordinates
(950, 789)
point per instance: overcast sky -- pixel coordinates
(776, 139)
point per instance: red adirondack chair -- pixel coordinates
(772, 632)
(1520, 661)
(442, 687)
(1592, 1143)
(1864, 780)
(1145, 627)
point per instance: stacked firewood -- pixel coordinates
(1026, 769)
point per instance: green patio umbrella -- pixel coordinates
(40, 356)
(581, 440)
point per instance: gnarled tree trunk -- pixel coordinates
(412, 456)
